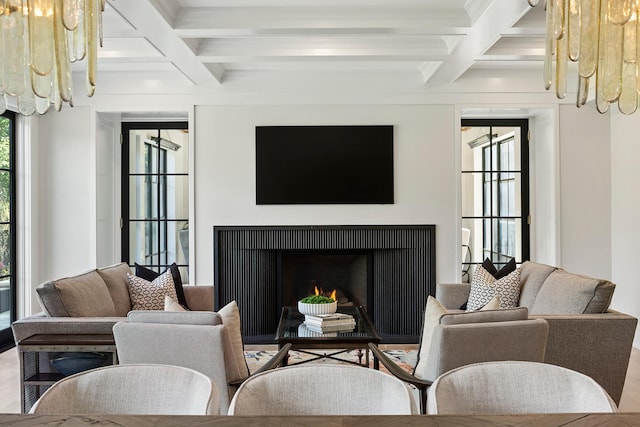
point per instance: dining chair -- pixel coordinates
(323, 389)
(516, 387)
(131, 389)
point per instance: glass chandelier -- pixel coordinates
(602, 37)
(39, 39)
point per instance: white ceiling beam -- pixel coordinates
(304, 32)
(292, 18)
(151, 24)
(418, 47)
(497, 19)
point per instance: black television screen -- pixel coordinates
(324, 164)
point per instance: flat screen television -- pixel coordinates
(324, 164)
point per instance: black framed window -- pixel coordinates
(8, 251)
(495, 191)
(155, 195)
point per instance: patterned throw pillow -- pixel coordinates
(487, 264)
(484, 287)
(509, 267)
(150, 275)
(147, 295)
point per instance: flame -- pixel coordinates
(319, 291)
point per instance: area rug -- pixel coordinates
(405, 359)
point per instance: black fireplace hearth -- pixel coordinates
(390, 270)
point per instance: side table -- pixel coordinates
(33, 379)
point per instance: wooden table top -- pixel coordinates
(544, 420)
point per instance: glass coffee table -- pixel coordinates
(292, 330)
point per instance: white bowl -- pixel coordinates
(328, 308)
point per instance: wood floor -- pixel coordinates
(10, 383)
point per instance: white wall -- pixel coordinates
(108, 189)
(585, 191)
(544, 187)
(65, 192)
(424, 162)
(625, 211)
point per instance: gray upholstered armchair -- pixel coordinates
(458, 339)
(196, 340)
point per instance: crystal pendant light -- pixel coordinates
(39, 39)
(602, 37)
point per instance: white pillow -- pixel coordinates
(231, 320)
(494, 304)
(171, 305)
(484, 287)
(147, 295)
(432, 313)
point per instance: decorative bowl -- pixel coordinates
(329, 308)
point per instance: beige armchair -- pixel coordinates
(516, 387)
(459, 339)
(323, 389)
(196, 340)
(131, 389)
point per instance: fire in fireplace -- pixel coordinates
(305, 273)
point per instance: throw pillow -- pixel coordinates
(231, 320)
(432, 313)
(149, 275)
(484, 287)
(147, 295)
(171, 305)
(508, 268)
(494, 304)
(487, 264)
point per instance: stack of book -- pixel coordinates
(336, 322)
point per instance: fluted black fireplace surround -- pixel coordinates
(400, 272)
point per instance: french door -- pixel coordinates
(495, 192)
(155, 195)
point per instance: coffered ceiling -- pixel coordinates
(205, 43)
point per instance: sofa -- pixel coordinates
(584, 334)
(88, 303)
(92, 302)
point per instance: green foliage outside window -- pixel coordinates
(5, 196)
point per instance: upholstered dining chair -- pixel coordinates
(516, 387)
(131, 389)
(451, 340)
(195, 339)
(323, 389)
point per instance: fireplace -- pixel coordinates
(305, 273)
(390, 270)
